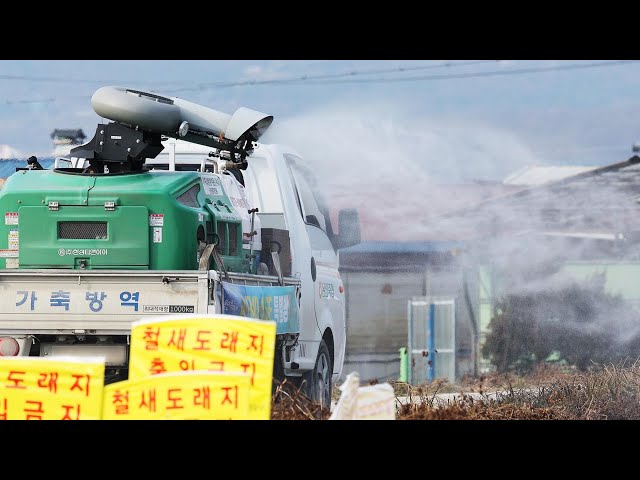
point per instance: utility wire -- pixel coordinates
(330, 78)
(28, 78)
(305, 78)
(22, 102)
(493, 73)
(31, 78)
(204, 86)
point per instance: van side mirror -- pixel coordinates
(349, 228)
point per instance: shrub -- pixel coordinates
(581, 323)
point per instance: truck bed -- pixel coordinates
(106, 302)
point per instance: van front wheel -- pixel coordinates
(319, 381)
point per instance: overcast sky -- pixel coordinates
(454, 120)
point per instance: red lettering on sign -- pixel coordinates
(251, 367)
(77, 384)
(151, 338)
(254, 345)
(121, 401)
(173, 395)
(148, 401)
(157, 366)
(202, 397)
(177, 341)
(14, 376)
(228, 398)
(34, 413)
(48, 380)
(217, 366)
(187, 364)
(203, 340)
(229, 341)
(67, 411)
(3, 409)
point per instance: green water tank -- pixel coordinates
(143, 220)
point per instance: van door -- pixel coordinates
(328, 299)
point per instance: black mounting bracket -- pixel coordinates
(116, 143)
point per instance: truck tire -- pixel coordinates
(319, 382)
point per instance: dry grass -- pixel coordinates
(290, 403)
(607, 392)
(610, 393)
(467, 408)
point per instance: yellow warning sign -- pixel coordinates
(218, 343)
(179, 396)
(38, 388)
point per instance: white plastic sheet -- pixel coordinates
(373, 402)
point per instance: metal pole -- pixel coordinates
(431, 359)
(404, 377)
(172, 156)
(410, 342)
(252, 265)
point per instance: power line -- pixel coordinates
(31, 78)
(28, 78)
(43, 100)
(305, 78)
(22, 102)
(331, 78)
(493, 73)
(203, 86)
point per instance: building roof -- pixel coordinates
(398, 256)
(596, 202)
(404, 247)
(572, 202)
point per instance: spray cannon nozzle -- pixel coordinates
(142, 119)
